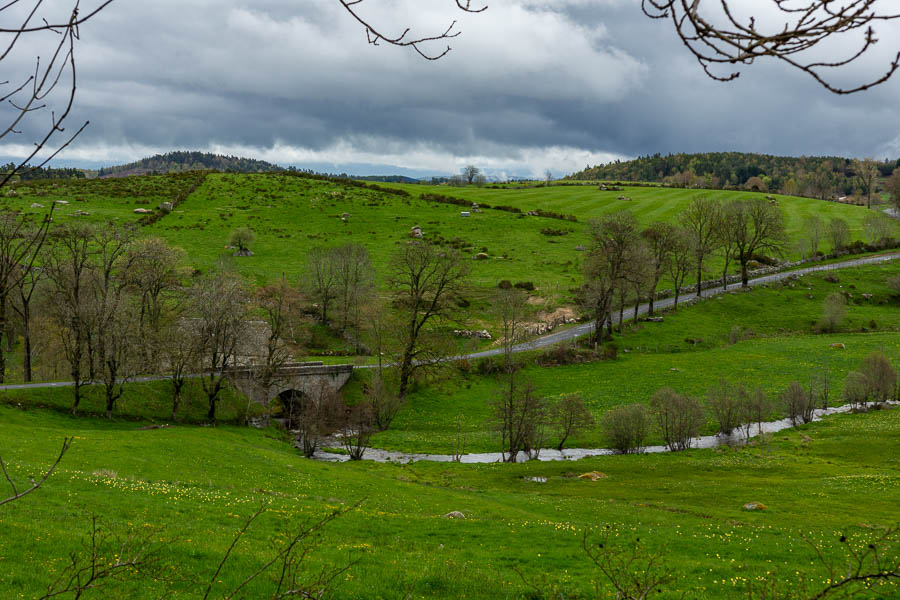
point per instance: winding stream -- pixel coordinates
(548, 454)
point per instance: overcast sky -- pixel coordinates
(528, 86)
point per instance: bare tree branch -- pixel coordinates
(419, 44)
(16, 494)
(716, 36)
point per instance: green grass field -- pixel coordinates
(292, 214)
(192, 487)
(189, 488)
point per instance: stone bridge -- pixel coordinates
(292, 381)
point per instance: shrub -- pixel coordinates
(881, 377)
(679, 418)
(834, 311)
(525, 285)
(856, 392)
(505, 284)
(735, 335)
(725, 403)
(569, 416)
(625, 428)
(798, 404)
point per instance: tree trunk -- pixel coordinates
(3, 322)
(26, 337)
(745, 277)
(177, 384)
(699, 278)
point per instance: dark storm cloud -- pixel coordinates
(529, 85)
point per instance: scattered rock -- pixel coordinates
(166, 207)
(81, 213)
(579, 248)
(867, 296)
(61, 201)
(140, 211)
(454, 515)
(481, 256)
(416, 232)
(468, 333)
(537, 479)
(837, 346)
(654, 319)
(755, 506)
(36, 205)
(593, 475)
(11, 192)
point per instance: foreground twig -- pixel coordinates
(16, 494)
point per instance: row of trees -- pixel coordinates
(815, 177)
(625, 263)
(680, 418)
(107, 306)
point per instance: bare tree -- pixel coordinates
(718, 34)
(612, 238)
(322, 278)
(797, 403)
(511, 308)
(725, 402)
(355, 286)
(68, 265)
(814, 227)
(834, 311)
(880, 375)
(753, 225)
(384, 402)
(220, 302)
(570, 416)
(866, 173)
(702, 219)
(20, 243)
(879, 228)
(892, 186)
(520, 419)
(626, 428)
(679, 264)
(279, 305)
(113, 325)
(679, 418)
(155, 273)
(425, 281)
(838, 234)
(357, 430)
(661, 239)
(469, 173)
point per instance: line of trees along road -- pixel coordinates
(625, 263)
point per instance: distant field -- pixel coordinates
(291, 215)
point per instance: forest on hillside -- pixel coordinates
(817, 177)
(177, 162)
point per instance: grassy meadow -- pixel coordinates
(290, 215)
(187, 488)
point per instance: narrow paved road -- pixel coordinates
(579, 330)
(586, 328)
